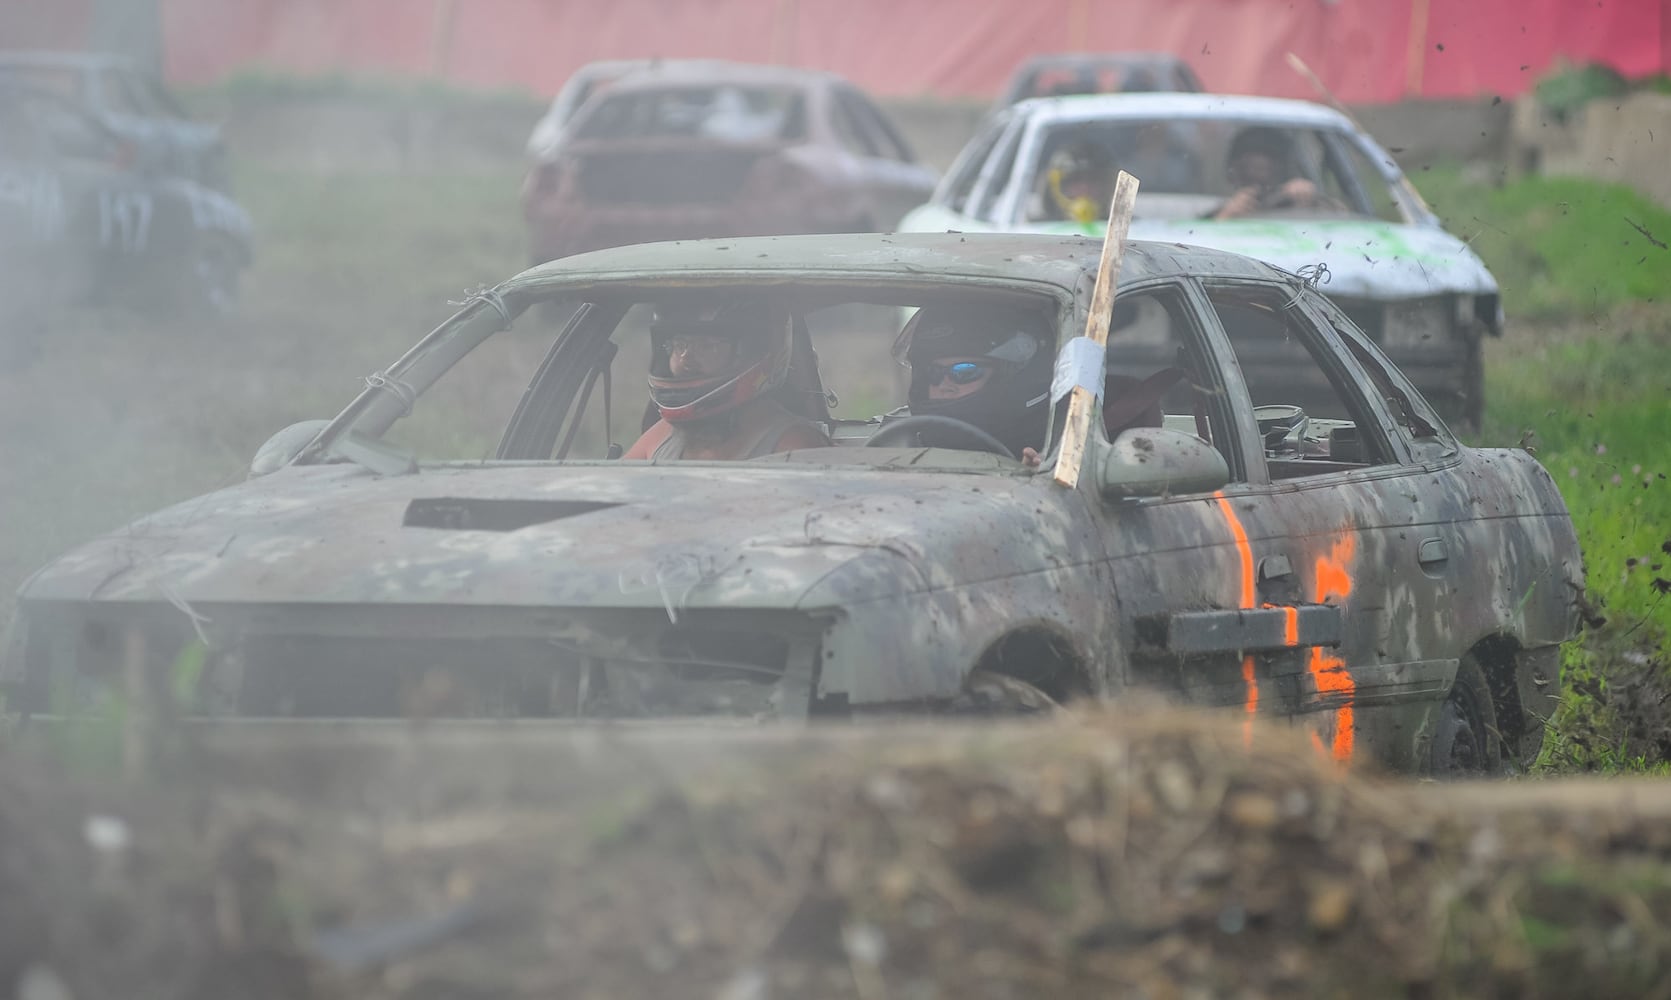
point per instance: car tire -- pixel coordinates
(1466, 742)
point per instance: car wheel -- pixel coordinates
(1466, 743)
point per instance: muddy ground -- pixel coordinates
(1132, 852)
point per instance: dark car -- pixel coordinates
(86, 213)
(459, 541)
(131, 103)
(1065, 74)
(688, 150)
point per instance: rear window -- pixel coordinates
(724, 112)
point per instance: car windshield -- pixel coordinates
(1190, 167)
(570, 380)
(730, 111)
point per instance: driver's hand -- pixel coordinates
(1243, 202)
(1299, 192)
(1030, 457)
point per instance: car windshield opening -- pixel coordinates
(1193, 168)
(726, 373)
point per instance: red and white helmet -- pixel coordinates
(763, 335)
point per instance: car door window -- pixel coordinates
(881, 133)
(1376, 191)
(967, 170)
(1312, 415)
(1424, 434)
(849, 132)
(1157, 373)
(995, 179)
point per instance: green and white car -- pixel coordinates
(1378, 251)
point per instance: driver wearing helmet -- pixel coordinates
(711, 374)
(982, 365)
(1261, 171)
(1079, 184)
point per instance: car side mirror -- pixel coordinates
(1154, 461)
(284, 446)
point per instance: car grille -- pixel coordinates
(695, 177)
(614, 664)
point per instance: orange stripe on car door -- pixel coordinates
(1245, 552)
(1333, 582)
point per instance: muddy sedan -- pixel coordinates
(463, 540)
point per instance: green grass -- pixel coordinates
(1596, 409)
(1560, 247)
(1583, 376)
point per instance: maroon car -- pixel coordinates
(694, 150)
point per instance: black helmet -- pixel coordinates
(1009, 406)
(763, 336)
(1261, 139)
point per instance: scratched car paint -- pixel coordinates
(832, 582)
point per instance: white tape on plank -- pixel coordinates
(1081, 364)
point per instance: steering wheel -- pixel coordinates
(949, 432)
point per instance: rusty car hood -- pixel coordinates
(606, 536)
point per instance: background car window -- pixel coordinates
(1370, 179)
(724, 112)
(1311, 417)
(880, 133)
(849, 132)
(967, 169)
(1181, 162)
(996, 180)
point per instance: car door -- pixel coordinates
(1346, 528)
(1186, 570)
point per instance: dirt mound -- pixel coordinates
(1110, 853)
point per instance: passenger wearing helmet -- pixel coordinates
(1079, 184)
(984, 365)
(711, 375)
(1261, 171)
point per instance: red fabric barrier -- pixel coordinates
(1365, 50)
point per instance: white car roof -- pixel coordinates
(1103, 107)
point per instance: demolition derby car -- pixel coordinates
(686, 149)
(1358, 225)
(462, 540)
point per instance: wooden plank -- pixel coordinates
(1082, 403)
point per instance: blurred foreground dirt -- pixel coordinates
(1114, 852)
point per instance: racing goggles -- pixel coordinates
(960, 372)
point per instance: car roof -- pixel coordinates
(1063, 261)
(707, 72)
(1267, 110)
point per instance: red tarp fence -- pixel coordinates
(1368, 51)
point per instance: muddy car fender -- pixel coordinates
(924, 645)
